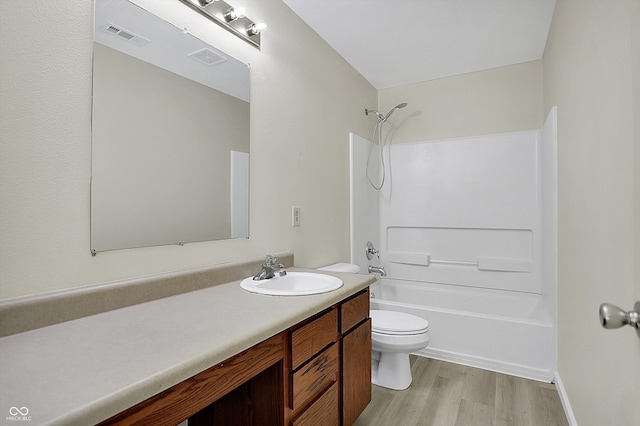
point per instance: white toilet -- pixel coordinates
(394, 335)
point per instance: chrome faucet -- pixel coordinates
(270, 269)
(378, 270)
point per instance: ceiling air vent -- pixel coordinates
(125, 34)
(207, 57)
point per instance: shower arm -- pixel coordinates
(383, 118)
(373, 111)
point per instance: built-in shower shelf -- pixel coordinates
(508, 265)
(481, 263)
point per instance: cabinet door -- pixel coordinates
(356, 372)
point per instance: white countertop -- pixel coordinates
(87, 370)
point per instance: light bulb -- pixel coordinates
(256, 29)
(235, 13)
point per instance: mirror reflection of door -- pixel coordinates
(239, 194)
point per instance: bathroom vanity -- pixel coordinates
(214, 355)
(317, 372)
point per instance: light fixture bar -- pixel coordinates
(230, 18)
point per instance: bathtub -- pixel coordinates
(507, 332)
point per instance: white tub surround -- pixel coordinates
(464, 212)
(85, 370)
(467, 236)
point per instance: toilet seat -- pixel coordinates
(397, 323)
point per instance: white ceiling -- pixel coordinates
(397, 42)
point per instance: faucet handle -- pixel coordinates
(271, 259)
(370, 251)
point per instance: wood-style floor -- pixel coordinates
(446, 394)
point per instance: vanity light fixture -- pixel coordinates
(233, 19)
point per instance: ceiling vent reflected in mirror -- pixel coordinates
(124, 34)
(207, 57)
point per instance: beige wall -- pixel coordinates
(588, 75)
(498, 100)
(304, 100)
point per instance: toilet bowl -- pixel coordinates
(394, 336)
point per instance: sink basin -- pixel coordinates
(293, 284)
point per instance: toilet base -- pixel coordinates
(392, 371)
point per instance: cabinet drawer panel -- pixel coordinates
(315, 376)
(323, 412)
(313, 337)
(354, 311)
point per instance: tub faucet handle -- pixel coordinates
(370, 251)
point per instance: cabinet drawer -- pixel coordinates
(315, 376)
(354, 311)
(313, 337)
(323, 412)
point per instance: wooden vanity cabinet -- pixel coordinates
(317, 373)
(356, 357)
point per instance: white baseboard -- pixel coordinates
(571, 419)
(498, 366)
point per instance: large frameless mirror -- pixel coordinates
(170, 134)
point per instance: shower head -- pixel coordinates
(402, 105)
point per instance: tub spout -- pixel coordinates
(378, 270)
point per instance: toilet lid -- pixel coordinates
(392, 322)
